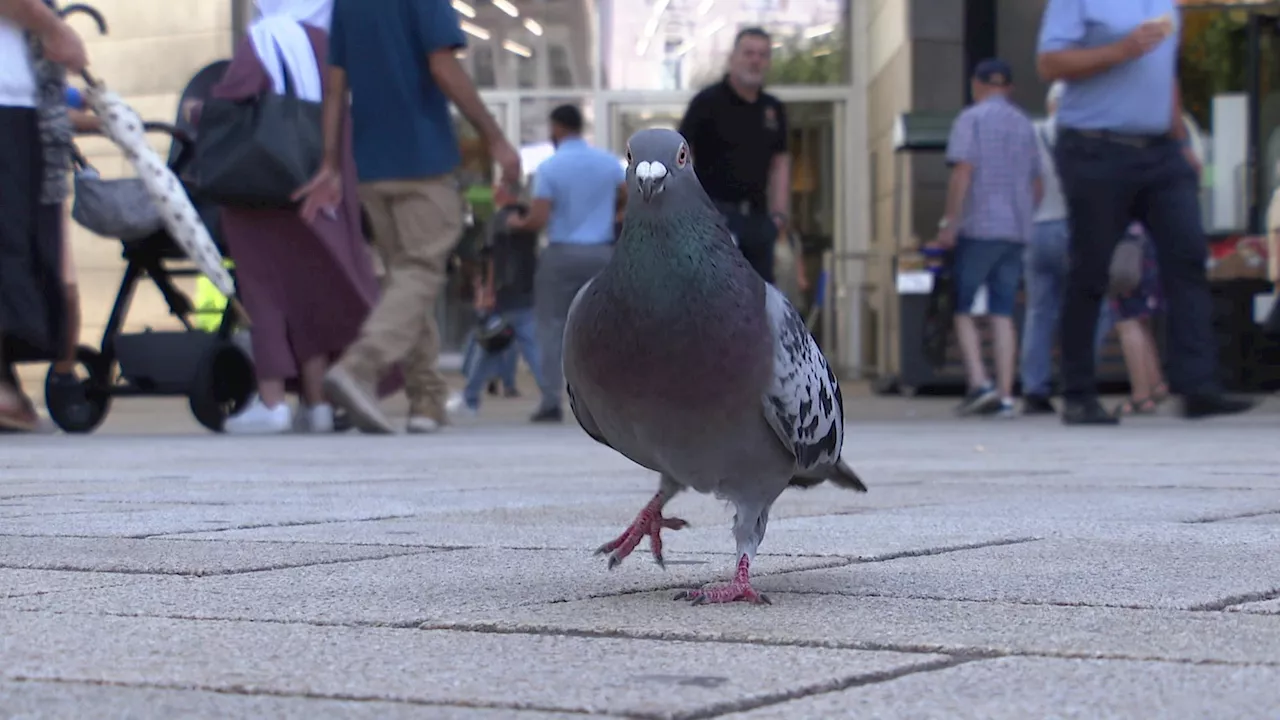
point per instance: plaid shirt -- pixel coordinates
(999, 141)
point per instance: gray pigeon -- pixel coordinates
(680, 357)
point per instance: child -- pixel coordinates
(504, 286)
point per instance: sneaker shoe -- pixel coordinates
(980, 401)
(459, 410)
(1007, 409)
(258, 419)
(548, 415)
(1038, 405)
(314, 418)
(345, 391)
(422, 425)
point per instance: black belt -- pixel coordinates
(742, 207)
(1137, 140)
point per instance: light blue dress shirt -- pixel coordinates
(582, 184)
(1135, 97)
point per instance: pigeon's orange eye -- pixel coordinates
(682, 157)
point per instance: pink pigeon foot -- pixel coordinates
(650, 522)
(739, 589)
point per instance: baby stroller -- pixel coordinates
(213, 370)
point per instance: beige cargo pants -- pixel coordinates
(416, 224)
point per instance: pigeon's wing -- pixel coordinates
(579, 408)
(803, 403)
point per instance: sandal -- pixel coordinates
(1136, 406)
(17, 415)
(1160, 394)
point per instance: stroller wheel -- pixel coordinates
(78, 403)
(223, 383)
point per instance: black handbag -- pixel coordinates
(257, 153)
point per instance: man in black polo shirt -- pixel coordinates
(738, 134)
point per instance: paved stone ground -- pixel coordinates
(995, 570)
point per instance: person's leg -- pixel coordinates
(71, 287)
(485, 367)
(1136, 362)
(17, 208)
(526, 328)
(1169, 208)
(415, 224)
(553, 292)
(1045, 268)
(1002, 285)
(1098, 180)
(972, 263)
(510, 357)
(1155, 369)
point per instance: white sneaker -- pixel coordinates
(459, 410)
(420, 425)
(258, 419)
(313, 419)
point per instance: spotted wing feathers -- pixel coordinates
(803, 403)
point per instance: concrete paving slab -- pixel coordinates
(631, 677)
(1019, 688)
(174, 557)
(866, 536)
(406, 590)
(46, 700)
(1171, 575)
(27, 583)
(962, 628)
(145, 521)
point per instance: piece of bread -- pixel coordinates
(1164, 22)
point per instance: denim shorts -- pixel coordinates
(994, 263)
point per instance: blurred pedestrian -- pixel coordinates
(576, 193)
(1123, 155)
(395, 63)
(738, 135)
(1045, 272)
(991, 200)
(505, 288)
(36, 49)
(1132, 313)
(307, 284)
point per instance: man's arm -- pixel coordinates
(691, 125)
(962, 154)
(534, 220)
(1177, 127)
(457, 86)
(334, 113)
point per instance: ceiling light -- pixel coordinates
(464, 9)
(705, 7)
(532, 26)
(714, 27)
(642, 47)
(474, 30)
(506, 7)
(685, 48)
(512, 46)
(819, 31)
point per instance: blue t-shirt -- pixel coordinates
(400, 116)
(1133, 97)
(582, 184)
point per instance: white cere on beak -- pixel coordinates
(647, 170)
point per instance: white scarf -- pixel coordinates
(280, 41)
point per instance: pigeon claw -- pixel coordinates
(649, 523)
(719, 594)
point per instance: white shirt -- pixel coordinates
(17, 78)
(1053, 206)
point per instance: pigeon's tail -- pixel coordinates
(841, 475)
(845, 477)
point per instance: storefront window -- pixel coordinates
(683, 44)
(527, 44)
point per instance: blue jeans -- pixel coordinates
(1046, 279)
(1046, 275)
(486, 365)
(509, 359)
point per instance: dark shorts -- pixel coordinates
(994, 263)
(1148, 298)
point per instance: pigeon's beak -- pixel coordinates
(650, 177)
